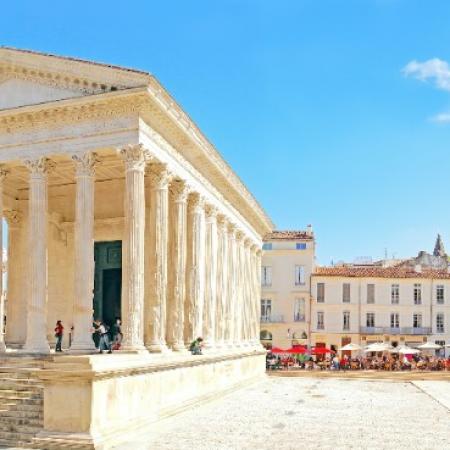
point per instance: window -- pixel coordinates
(266, 276)
(395, 320)
(299, 275)
(299, 310)
(440, 294)
(346, 320)
(267, 246)
(265, 335)
(395, 294)
(346, 293)
(300, 246)
(320, 320)
(320, 292)
(417, 294)
(417, 320)
(266, 309)
(370, 293)
(370, 320)
(440, 322)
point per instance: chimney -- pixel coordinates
(418, 268)
(309, 229)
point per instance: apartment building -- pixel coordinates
(399, 305)
(401, 302)
(287, 266)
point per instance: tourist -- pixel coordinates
(116, 331)
(196, 346)
(59, 331)
(104, 343)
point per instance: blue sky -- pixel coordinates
(333, 112)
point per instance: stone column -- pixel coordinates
(133, 249)
(210, 307)
(230, 338)
(36, 340)
(254, 297)
(222, 282)
(177, 294)
(239, 310)
(158, 255)
(84, 253)
(3, 174)
(258, 294)
(246, 285)
(195, 268)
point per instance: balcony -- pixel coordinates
(299, 317)
(400, 330)
(272, 319)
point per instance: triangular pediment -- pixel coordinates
(15, 92)
(30, 78)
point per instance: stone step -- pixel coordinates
(7, 414)
(44, 444)
(19, 428)
(22, 421)
(31, 387)
(8, 444)
(36, 400)
(14, 406)
(21, 436)
(8, 393)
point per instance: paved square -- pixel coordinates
(294, 413)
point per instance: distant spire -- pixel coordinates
(439, 249)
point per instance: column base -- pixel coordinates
(2, 347)
(180, 348)
(39, 349)
(82, 348)
(158, 348)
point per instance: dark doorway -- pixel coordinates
(112, 286)
(108, 281)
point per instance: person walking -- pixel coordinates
(104, 343)
(59, 331)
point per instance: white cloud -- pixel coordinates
(441, 118)
(435, 70)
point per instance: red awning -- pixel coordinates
(321, 351)
(278, 350)
(297, 350)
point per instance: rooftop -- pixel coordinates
(289, 235)
(381, 272)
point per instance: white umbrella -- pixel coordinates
(350, 347)
(447, 345)
(405, 350)
(377, 347)
(429, 346)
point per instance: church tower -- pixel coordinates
(439, 249)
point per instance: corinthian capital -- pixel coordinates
(196, 201)
(135, 157)
(211, 211)
(40, 167)
(85, 163)
(179, 190)
(159, 175)
(12, 216)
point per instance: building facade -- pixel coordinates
(399, 302)
(287, 266)
(118, 206)
(396, 305)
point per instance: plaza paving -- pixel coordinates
(314, 413)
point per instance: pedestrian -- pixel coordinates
(116, 331)
(104, 344)
(59, 331)
(196, 346)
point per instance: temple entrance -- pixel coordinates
(108, 281)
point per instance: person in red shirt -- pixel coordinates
(59, 331)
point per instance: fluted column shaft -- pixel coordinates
(36, 340)
(258, 294)
(238, 297)
(254, 338)
(195, 268)
(246, 285)
(84, 252)
(177, 293)
(222, 282)
(2, 297)
(210, 307)
(133, 249)
(158, 248)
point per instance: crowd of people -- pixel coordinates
(387, 362)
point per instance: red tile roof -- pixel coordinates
(289, 236)
(380, 272)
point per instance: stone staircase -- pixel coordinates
(21, 400)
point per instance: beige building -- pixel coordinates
(287, 265)
(398, 305)
(118, 206)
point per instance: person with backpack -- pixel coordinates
(104, 344)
